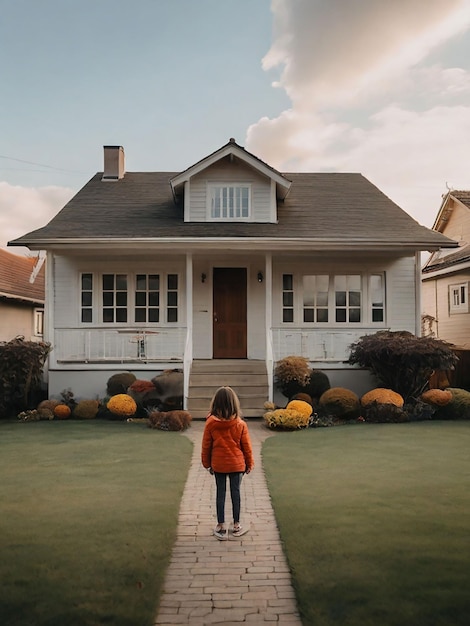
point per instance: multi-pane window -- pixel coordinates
(114, 298)
(458, 298)
(376, 287)
(315, 294)
(87, 298)
(129, 298)
(287, 298)
(347, 298)
(229, 202)
(147, 298)
(172, 298)
(333, 299)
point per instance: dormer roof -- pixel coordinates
(233, 150)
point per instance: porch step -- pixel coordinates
(249, 380)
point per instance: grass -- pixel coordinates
(376, 522)
(88, 519)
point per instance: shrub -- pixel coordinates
(49, 405)
(286, 419)
(304, 408)
(122, 404)
(339, 402)
(382, 396)
(293, 375)
(401, 361)
(21, 367)
(169, 420)
(119, 383)
(457, 408)
(169, 386)
(437, 397)
(86, 409)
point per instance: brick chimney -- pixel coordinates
(113, 163)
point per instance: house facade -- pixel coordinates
(446, 275)
(21, 297)
(225, 264)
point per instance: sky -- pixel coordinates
(370, 86)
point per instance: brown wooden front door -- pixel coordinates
(229, 327)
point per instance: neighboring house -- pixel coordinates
(222, 267)
(21, 297)
(446, 275)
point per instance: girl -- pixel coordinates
(226, 451)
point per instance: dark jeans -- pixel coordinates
(235, 479)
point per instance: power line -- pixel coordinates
(50, 167)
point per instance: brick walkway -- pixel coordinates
(243, 580)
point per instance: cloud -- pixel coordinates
(25, 209)
(364, 98)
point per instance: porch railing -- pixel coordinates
(327, 345)
(97, 345)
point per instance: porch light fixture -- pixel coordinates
(260, 277)
(203, 278)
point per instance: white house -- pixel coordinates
(221, 270)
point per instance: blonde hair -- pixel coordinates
(225, 404)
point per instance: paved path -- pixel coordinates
(243, 580)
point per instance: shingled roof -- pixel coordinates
(327, 210)
(439, 260)
(15, 272)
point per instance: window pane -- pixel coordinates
(340, 298)
(322, 315)
(354, 315)
(287, 282)
(121, 282)
(141, 298)
(288, 298)
(154, 298)
(121, 298)
(340, 315)
(140, 315)
(141, 282)
(87, 315)
(108, 298)
(121, 315)
(377, 315)
(354, 298)
(172, 298)
(87, 298)
(154, 282)
(154, 315)
(309, 315)
(108, 315)
(87, 282)
(108, 282)
(172, 315)
(287, 315)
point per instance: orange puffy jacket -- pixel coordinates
(226, 445)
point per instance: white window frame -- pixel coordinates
(367, 307)
(458, 298)
(211, 188)
(164, 306)
(38, 323)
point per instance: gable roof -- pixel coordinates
(448, 260)
(15, 272)
(232, 149)
(322, 211)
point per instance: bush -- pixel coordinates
(169, 420)
(122, 405)
(437, 397)
(287, 419)
(457, 408)
(401, 361)
(119, 383)
(382, 396)
(339, 402)
(293, 375)
(86, 409)
(21, 367)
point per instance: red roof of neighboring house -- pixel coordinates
(15, 272)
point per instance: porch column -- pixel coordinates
(188, 348)
(268, 272)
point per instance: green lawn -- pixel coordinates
(88, 516)
(376, 522)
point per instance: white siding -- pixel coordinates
(224, 171)
(401, 294)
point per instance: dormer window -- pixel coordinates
(231, 202)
